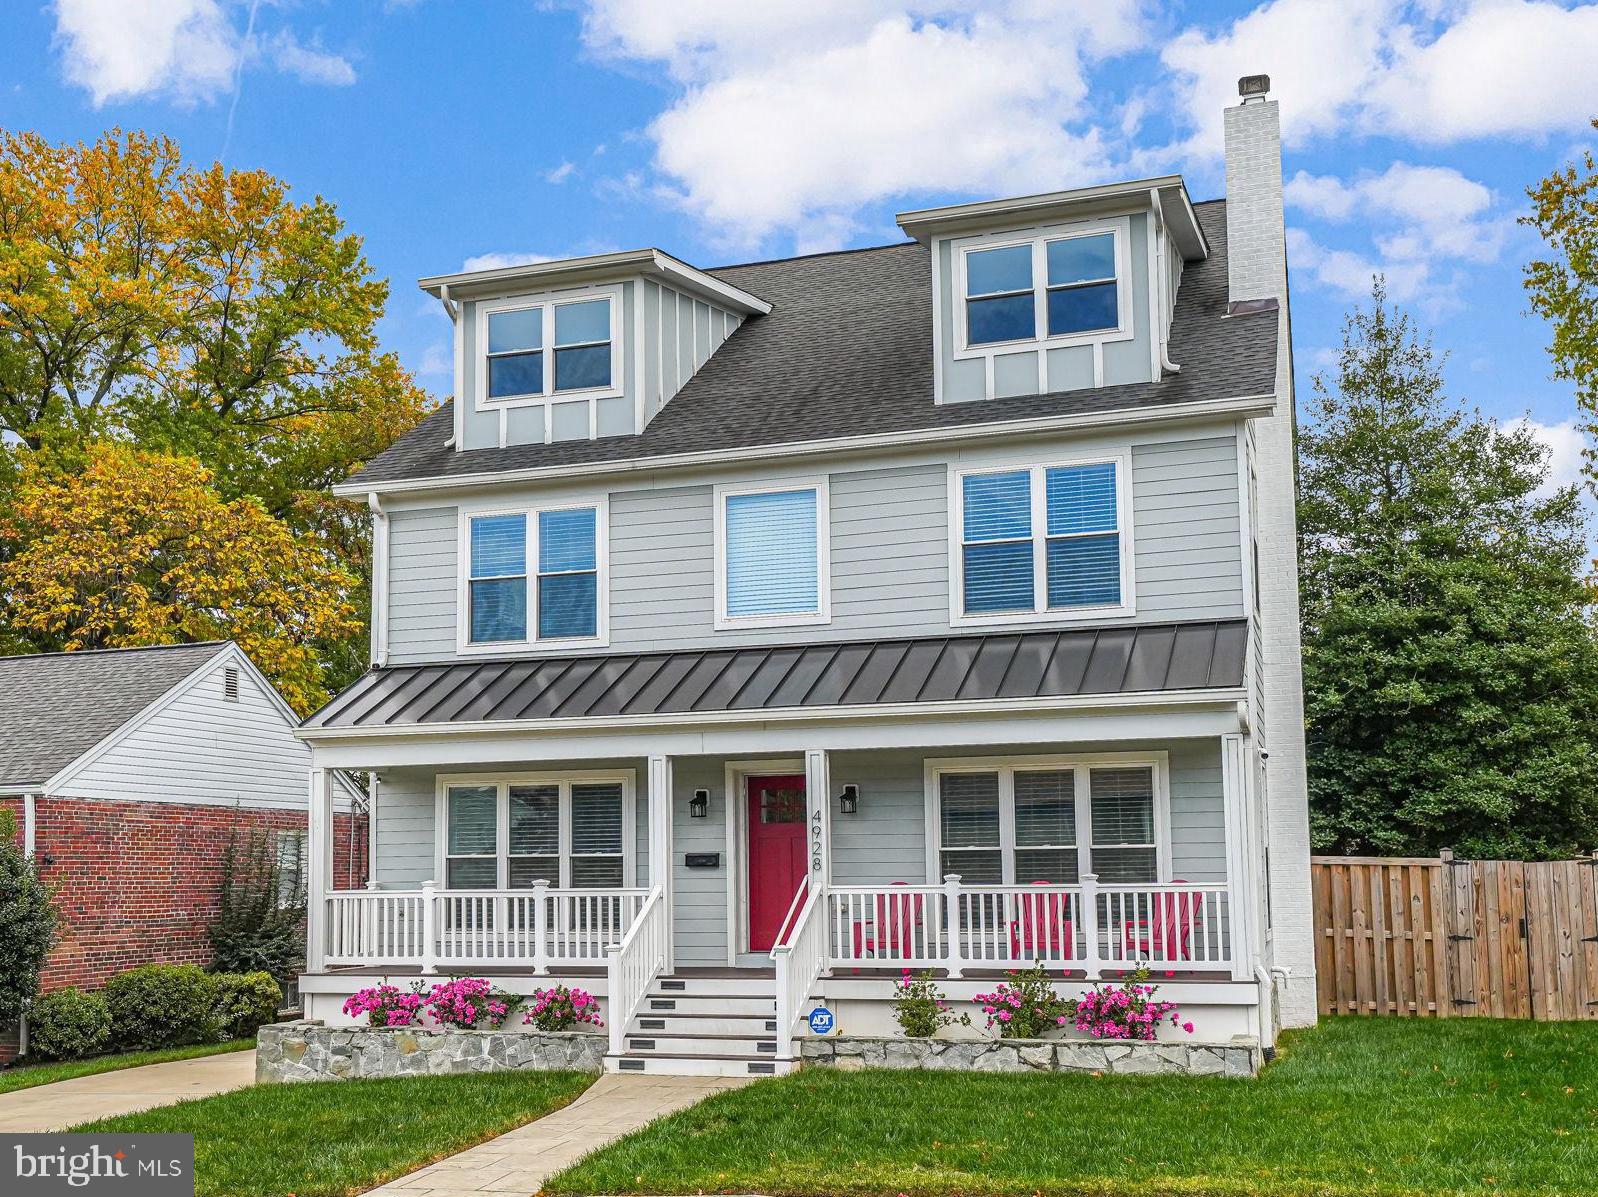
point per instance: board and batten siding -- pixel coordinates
(203, 749)
(890, 557)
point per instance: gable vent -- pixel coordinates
(230, 684)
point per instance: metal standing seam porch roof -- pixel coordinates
(1121, 660)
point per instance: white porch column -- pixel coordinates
(660, 840)
(818, 811)
(372, 785)
(319, 861)
(1240, 874)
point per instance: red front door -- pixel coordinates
(776, 820)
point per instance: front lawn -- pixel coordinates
(1356, 1106)
(26, 1076)
(340, 1137)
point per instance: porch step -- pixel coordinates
(692, 986)
(672, 1023)
(708, 1064)
(760, 1047)
(709, 1004)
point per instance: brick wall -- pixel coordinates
(138, 882)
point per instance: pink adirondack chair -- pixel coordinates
(1167, 934)
(1054, 939)
(892, 927)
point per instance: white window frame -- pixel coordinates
(298, 894)
(1041, 611)
(823, 614)
(549, 302)
(1081, 766)
(565, 780)
(1119, 227)
(463, 605)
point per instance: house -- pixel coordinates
(127, 771)
(745, 636)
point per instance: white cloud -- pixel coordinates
(1567, 451)
(561, 173)
(188, 51)
(438, 358)
(120, 48)
(499, 261)
(794, 115)
(1433, 73)
(1349, 274)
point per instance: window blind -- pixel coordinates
(472, 837)
(1123, 825)
(498, 581)
(568, 573)
(968, 814)
(772, 559)
(597, 834)
(997, 518)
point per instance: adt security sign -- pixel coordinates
(821, 1021)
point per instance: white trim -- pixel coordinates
(1242, 406)
(546, 303)
(1119, 228)
(380, 546)
(823, 613)
(464, 645)
(562, 778)
(1081, 766)
(1152, 699)
(735, 779)
(1041, 612)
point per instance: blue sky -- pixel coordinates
(452, 133)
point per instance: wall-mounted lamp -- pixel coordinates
(699, 804)
(849, 800)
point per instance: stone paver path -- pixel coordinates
(126, 1091)
(517, 1163)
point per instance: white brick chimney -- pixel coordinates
(1256, 274)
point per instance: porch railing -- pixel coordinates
(633, 964)
(1087, 927)
(800, 957)
(434, 928)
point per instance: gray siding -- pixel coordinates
(699, 917)
(406, 837)
(1185, 514)
(886, 840)
(422, 577)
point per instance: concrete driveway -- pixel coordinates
(85, 1098)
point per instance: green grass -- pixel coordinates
(1355, 1106)
(335, 1138)
(26, 1076)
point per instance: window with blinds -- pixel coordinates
(1042, 289)
(559, 598)
(511, 834)
(578, 333)
(1041, 540)
(1023, 824)
(773, 555)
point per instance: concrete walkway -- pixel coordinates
(517, 1163)
(126, 1091)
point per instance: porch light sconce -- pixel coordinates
(849, 800)
(699, 804)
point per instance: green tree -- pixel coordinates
(1450, 668)
(1563, 286)
(27, 924)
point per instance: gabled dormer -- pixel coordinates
(1056, 292)
(582, 348)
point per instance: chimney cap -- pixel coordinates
(1252, 87)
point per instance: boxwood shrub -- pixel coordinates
(68, 1024)
(245, 1002)
(162, 1005)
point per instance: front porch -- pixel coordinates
(751, 889)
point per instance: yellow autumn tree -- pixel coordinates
(115, 547)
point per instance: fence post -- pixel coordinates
(618, 1002)
(951, 906)
(540, 923)
(429, 928)
(1092, 960)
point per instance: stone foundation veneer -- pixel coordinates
(309, 1051)
(1239, 1058)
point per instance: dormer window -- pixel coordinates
(1061, 286)
(551, 348)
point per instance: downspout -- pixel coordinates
(1167, 366)
(379, 580)
(453, 311)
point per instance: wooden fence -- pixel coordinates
(1443, 938)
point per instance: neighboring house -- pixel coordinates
(743, 636)
(127, 772)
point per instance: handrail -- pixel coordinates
(793, 908)
(800, 962)
(632, 965)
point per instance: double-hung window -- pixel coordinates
(1052, 287)
(1047, 822)
(548, 349)
(570, 832)
(772, 555)
(534, 576)
(1042, 541)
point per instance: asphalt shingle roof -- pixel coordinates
(1119, 660)
(54, 707)
(847, 351)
